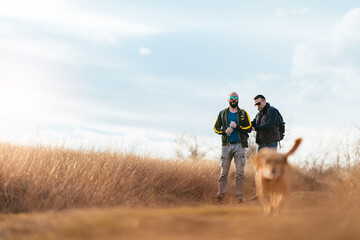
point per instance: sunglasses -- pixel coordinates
(232, 97)
(258, 103)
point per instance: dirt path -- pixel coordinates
(305, 218)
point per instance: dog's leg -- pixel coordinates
(275, 200)
(265, 202)
(274, 203)
(278, 202)
(282, 200)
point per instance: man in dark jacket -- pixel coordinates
(267, 133)
(233, 124)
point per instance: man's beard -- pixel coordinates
(233, 104)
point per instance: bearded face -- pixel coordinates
(233, 103)
(233, 100)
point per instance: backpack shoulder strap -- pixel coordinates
(271, 107)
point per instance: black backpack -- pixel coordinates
(280, 124)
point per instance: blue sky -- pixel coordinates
(137, 74)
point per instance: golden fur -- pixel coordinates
(272, 178)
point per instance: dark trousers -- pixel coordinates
(273, 145)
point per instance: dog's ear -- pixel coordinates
(294, 148)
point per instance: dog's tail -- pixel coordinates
(295, 147)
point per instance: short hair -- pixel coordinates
(259, 96)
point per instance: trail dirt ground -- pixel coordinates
(309, 215)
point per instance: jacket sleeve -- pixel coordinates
(272, 116)
(253, 123)
(245, 125)
(218, 125)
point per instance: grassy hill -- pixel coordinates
(56, 193)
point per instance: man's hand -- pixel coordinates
(253, 128)
(229, 130)
(233, 124)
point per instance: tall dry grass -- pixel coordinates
(40, 178)
(43, 178)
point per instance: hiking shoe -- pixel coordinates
(220, 201)
(240, 201)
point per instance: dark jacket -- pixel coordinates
(265, 125)
(243, 128)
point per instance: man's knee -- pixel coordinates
(240, 169)
(223, 176)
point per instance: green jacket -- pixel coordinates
(243, 128)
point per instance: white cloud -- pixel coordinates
(332, 53)
(141, 144)
(263, 77)
(58, 17)
(282, 12)
(327, 70)
(145, 51)
(28, 86)
(25, 47)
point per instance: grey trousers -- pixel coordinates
(227, 154)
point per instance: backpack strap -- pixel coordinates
(276, 121)
(271, 107)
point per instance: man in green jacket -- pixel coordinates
(233, 124)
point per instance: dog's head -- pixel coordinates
(271, 164)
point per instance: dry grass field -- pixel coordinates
(56, 193)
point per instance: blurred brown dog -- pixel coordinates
(272, 178)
